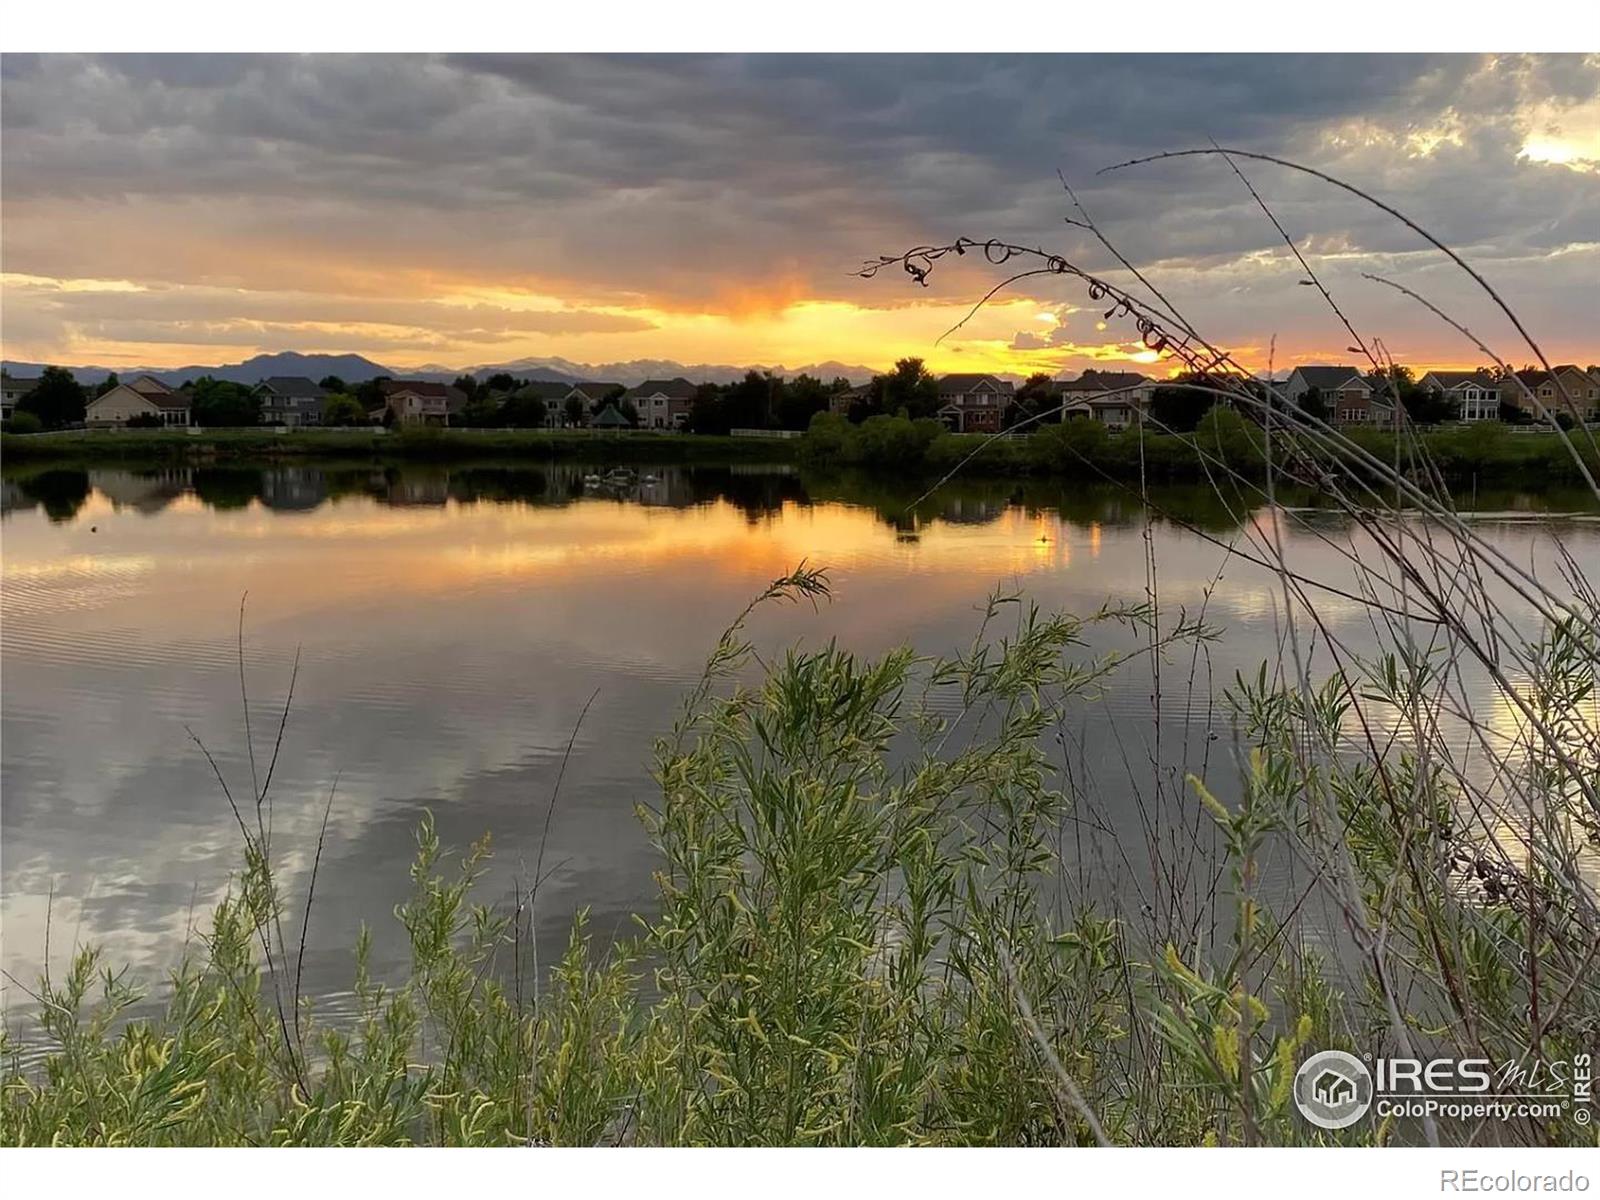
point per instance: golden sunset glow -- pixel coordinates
(710, 229)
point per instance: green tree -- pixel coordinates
(1181, 409)
(629, 410)
(911, 387)
(801, 400)
(482, 412)
(522, 410)
(340, 409)
(708, 411)
(58, 399)
(1396, 382)
(1032, 398)
(219, 402)
(749, 403)
(1313, 405)
(1514, 414)
(1073, 447)
(332, 383)
(467, 386)
(1430, 408)
(1223, 432)
(109, 383)
(501, 381)
(371, 394)
(573, 409)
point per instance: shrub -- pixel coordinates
(24, 422)
(894, 442)
(862, 937)
(1073, 447)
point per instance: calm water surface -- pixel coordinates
(451, 625)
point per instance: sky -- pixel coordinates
(169, 210)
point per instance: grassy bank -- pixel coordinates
(1486, 453)
(265, 445)
(871, 930)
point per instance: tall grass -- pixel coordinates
(868, 933)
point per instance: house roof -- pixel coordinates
(1450, 380)
(609, 417)
(176, 401)
(157, 393)
(1534, 378)
(1100, 381)
(1326, 378)
(149, 385)
(18, 382)
(673, 389)
(594, 391)
(292, 387)
(970, 382)
(542, 389)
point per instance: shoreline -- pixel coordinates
(1463, 456)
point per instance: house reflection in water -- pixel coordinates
(294, 489)
(417, 488)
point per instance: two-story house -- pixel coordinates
(662, 403)
(290, 400)
(1117, 399)
(552, 393)
(1579, 391)
(1346, 394)
(1476, 393)
(422, 402)
(1566, 388)
(974, 403)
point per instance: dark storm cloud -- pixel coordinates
(668, 178)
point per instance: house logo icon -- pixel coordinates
(1333, 1089)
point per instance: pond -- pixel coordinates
(452, 623)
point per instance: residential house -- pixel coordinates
(1562, 389)
(1476, 393)
(145, 396)
(12, 389)
(1345, 393)
(1116, 399)
(421, 401)
(1569, 389)
(662, 403)
(552, 393)
(290, 400)
(974, 403)
(591, 395)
